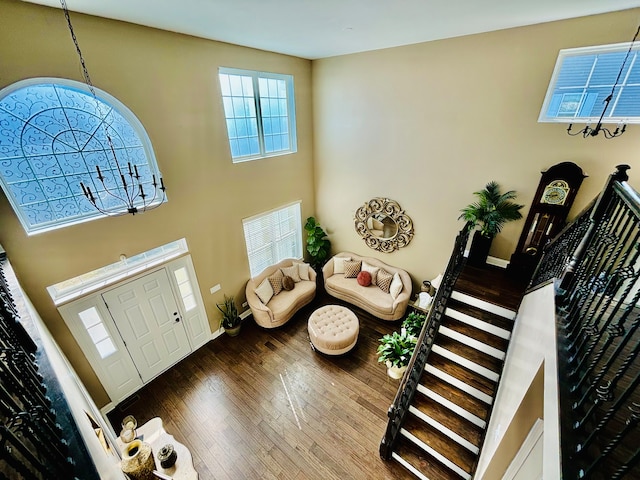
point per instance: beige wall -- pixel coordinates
(428, 124)
(170, 82)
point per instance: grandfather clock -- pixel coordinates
(547, 216)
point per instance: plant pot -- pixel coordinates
(395, 372)
(479, 250)
(233, 332)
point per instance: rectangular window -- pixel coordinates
(584, 77)
(272, 237)
(259, 112)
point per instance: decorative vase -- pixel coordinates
(395, 372)
(233, 332)
(138, 462)
(167, 456)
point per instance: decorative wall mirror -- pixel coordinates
(383, 225)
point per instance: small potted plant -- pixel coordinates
(395, 351)
(230, 320)
(492, 210)
(318, 245)
(413, 323)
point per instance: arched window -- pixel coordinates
(53, 137)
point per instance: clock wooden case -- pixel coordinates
(547, 216)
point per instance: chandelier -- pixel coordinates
(127, 185)
(588, 130)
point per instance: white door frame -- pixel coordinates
(124, 380)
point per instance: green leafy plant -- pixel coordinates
(413, 323)
(396, 348)
(318, 245)
(492, 210)
(230, 318)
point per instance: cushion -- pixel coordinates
(292, 272)
(264, 291)
(396, 286)
(364, 278)
(435, 283)
(338, 264)
(303, 271)
(276, 282)
(384, 280)
(352, 268)
(372, 270)
(288, 283)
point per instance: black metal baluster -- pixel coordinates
(624, 469)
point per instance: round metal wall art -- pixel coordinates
(383, 225)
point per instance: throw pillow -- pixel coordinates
(276, 282)
(364, 278)
(288, 283)
(396, 286)
(303, 271)
(352, 268)
(384, 280)
(292, 272)
(264, 291)
(338, 264)
(435, 283)
(372, 270)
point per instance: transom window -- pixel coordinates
(273, 236)
(52, 138)
(259, 112)
(584, 77)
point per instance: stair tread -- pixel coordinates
(470, 378)
(423, 462)
(455, 395)
(445, 446)
(483, 315)
(475, 333)
(470, 353)
(446, 417)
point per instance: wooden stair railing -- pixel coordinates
(399, 409)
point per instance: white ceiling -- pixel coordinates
(323, 28)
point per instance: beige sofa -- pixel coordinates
(371, 299)
(281, 307)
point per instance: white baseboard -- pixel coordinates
(495, 261)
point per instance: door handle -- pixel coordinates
(177, 319)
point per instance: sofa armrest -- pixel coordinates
(257, 307)
(327, 270)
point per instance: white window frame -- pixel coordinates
(275, 237)
(633, 62)
(291, 113)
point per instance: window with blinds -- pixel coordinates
(273, 236)
(584, 77)
(259, 112)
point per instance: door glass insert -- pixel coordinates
(97, 331)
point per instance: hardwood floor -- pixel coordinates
(264, 405)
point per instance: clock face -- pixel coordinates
(555, 193)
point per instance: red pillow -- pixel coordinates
(364, 278)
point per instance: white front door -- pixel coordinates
(147, 317)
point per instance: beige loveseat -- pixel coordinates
(371, 298)
(281, 307)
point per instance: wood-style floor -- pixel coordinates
(264, 405)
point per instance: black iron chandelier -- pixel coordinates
(588, 130)
(129, 188)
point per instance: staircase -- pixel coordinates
(446, 424)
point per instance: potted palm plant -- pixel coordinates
(492, 210)
(318, 245)
(230, 320)
(395, 351)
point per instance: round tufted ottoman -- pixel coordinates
(333, 329)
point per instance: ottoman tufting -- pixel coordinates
(333, 329)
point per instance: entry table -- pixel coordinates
(154, 434)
